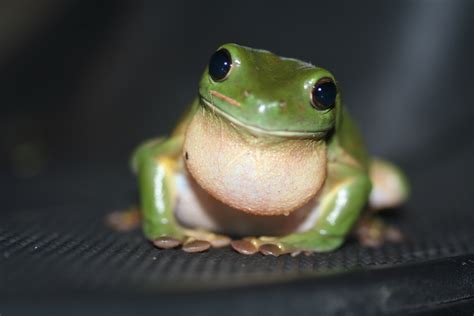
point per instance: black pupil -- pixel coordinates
(219, 65)
(324, 94)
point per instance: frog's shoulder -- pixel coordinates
(346, 142)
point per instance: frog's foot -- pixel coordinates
(294, 244)
(390, 187)
(124, 220)
(373, 232)
(192, 240)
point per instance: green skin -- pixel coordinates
(252, 82)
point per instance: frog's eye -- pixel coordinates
(220, 65)
(324, 94)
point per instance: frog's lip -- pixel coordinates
(259, 130)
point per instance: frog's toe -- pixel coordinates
(308, 243)
(166, 242)
(373, 232)
(244, 247)
(220, 241)
(273, 246)
(293, 245)
(196, 246)
(191, 240)
(124, 220)
(393, 234)
(268, 246)
(278, 249)
(271, 250)
(215, 240)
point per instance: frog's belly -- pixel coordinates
(197, 209)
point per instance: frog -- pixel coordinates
(267, 159)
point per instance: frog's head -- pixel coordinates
(268, 94)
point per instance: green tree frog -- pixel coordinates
(266, 153)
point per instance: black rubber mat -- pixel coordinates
(47, 256)
(85, 254)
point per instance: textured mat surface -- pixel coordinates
(77, 251)
(74, 261)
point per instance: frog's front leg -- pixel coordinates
(344, 196)
(156, 163)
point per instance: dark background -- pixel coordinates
(83, 82)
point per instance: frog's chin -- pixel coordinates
(259, 130)
(249, 173)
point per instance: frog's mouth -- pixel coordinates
(261, 131)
